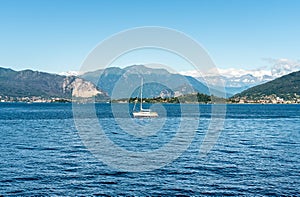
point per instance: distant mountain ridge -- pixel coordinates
(28, 83)
(110, 82)
(286, 87)
(158, 82)
(237, 80)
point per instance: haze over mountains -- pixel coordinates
(237, 80)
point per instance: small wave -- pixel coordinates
(27, 178)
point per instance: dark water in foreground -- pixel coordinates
(257, 153)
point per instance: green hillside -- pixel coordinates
(286, 87)
(20, 85)
(31, 83)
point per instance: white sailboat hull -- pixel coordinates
(145, 114)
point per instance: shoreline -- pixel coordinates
(186, 103)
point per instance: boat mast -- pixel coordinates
(141, 105)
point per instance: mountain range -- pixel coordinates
(286, 87)
(235, 84)
(158, 82)
(238, 80)
(117, 83)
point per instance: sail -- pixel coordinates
(143, 113)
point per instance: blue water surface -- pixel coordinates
(257, 153)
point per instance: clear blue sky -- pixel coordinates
(56, 35)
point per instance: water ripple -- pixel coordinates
(257, 154)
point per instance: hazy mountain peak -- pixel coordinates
(70, 73)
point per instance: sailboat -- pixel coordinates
(144, 113)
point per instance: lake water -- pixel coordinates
(257, 153)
